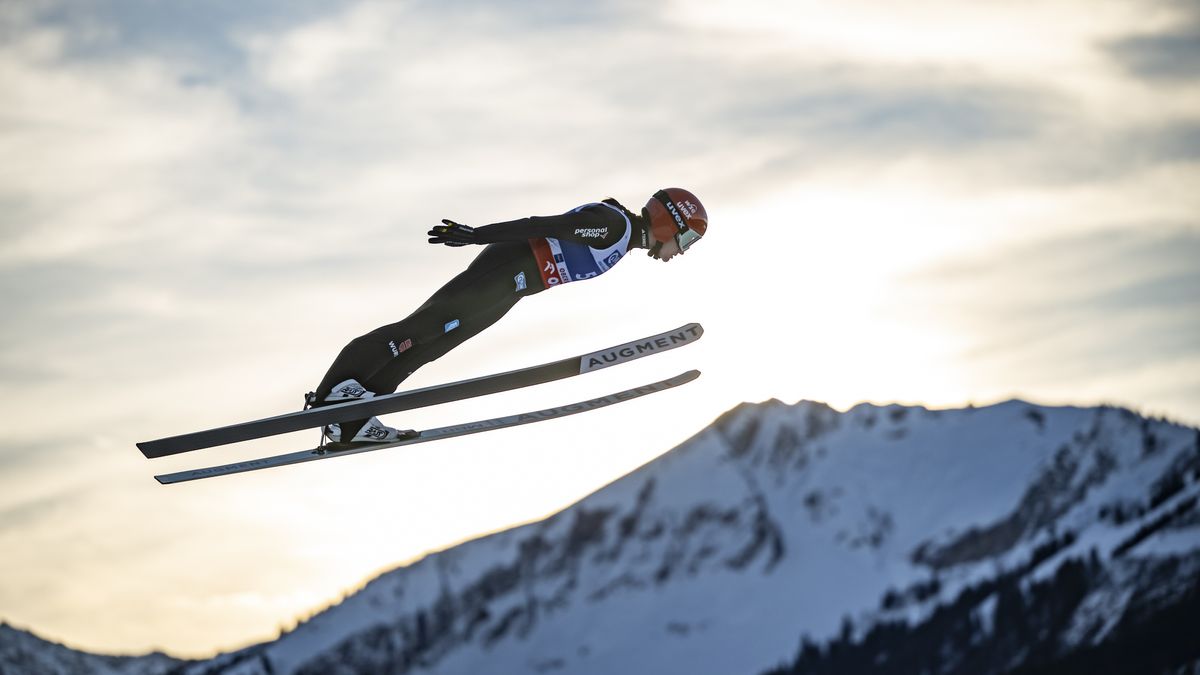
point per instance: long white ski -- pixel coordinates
(419, 398)
(433, 434)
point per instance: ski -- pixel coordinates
(420, 398)
(432, 434)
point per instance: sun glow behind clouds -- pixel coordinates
(824, 263)
(852, 307)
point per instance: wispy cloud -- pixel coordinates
(1080, 307)
(1169, 52)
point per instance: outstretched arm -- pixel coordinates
(595, 226)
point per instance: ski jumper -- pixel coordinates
(522, 257)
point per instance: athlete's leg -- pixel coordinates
(459, 317)
(380, 360)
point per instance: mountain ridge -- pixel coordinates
(778, 522)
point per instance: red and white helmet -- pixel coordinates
(675, 213)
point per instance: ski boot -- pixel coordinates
(343, 435)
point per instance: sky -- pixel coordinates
(932, 203)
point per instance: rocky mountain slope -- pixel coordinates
(22, 653)
(794, 538)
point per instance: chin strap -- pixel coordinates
(653, 250)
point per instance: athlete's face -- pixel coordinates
(669, 250)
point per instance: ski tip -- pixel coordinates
(684, 335)
(693, 329)
(683, 378)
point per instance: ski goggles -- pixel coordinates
(686, 238)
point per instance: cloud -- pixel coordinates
(330, 108)
(200, 38)
(177, 159)
(1071, 307)
(34, 511)
(1170, 54)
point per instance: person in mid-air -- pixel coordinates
(522, 257)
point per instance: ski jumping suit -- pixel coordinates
(523, 257)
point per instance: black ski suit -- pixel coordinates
(503, 273)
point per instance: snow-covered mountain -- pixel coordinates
(794, 538)
(22, 653)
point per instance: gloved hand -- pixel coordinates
(451, 233)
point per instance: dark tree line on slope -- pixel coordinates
(1022, 636)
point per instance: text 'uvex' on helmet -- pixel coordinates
(675, 213)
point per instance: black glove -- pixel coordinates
(451, 233)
